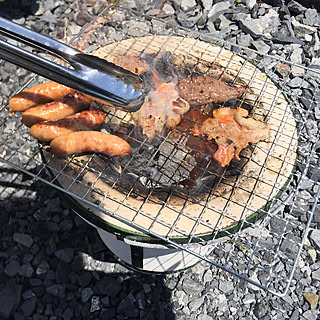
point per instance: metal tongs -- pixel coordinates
(98, 78)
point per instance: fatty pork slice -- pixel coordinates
(162, 108)
(232, 132)
(202, 90)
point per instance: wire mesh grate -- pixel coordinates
(238, 207)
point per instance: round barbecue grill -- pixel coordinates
(137, 203)
(143, 188)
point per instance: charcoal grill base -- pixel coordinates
(152, 257)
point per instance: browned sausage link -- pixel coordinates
(89, 141)
(85, 120)
(56, 110)
(39, 94)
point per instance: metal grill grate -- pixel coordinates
(226, 212)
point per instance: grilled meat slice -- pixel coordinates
(202, 90)
(232, 132)
(162, 108)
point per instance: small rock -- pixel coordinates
(12, 268)
(204, 317)
(137, 28)
(312, 298)
(74, 29)
(310, 315)
(311, 17)
(190, 286)
(65, 255)
(207, 276)
(249, 299)
(42, 268)
(295, 315)
(187, 5)
(297, 71)
(249, 3)
(259, 310)
(48, 16)
(81, 17)
(29, 306)
(86, 294)
(316, 45)
(28, 294)
(222, 302)
(223, 22)
(316, 275)
(26, 270)
(95, 304)
(57, 290)
(147, 288)
(313, 254)
(315, 237)
(296, 55)
(308, 37)
(300, 30)
(226, 286)
(283, 70)
(244, 40)
(315, 62)
(296, 7)
(153, 12)
(23, 238)
(252, 27)
(195, 304)
(306, 183)
(41, 10)
(207, 5)
(189, 19)
(261, 46)
(290, 244)
(295, 83)
(218, 9)
(168, 9)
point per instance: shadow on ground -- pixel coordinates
(15, 9)
(62, 268)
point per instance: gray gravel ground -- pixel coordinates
(54, 266)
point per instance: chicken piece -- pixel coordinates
(202, 90)
(161, 108)
(232, 132)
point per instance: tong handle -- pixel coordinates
(98, 78)
(17, 32)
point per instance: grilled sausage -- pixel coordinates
(39, 94)
(56, 110)
(89, 141)
(85, 120)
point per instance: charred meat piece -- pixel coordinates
(232, 132)
(162, 108)
(205, 89)
(131, 63)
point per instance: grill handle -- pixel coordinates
(98, 78)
